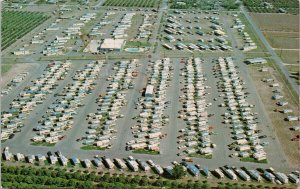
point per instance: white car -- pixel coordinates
(150, 162)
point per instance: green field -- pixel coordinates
(200, 156)
(133, 3)
(137, 44)
(5, 68)
(42, 144)
(143, 151)
(247, 159)
(16, 24)
(91, 147)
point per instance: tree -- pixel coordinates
(136, 179)
(143, 181)
(72, 182)
(197, 185)
(158, 182)
(205, 185)
(178, 172)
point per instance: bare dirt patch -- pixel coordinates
(14, 71)
(281, 127)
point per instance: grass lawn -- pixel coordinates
(42, 144)
(46, 162)
(143, 151)
(289, 56)
(91, 147)
(137, 44)
(5, 68)
(248, 159)
(294, 68)
(200, 156)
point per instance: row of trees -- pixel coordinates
(31, 177)
(231, 4)
(276, 4)
(35, 177)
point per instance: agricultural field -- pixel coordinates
(271, 6)
(282, 32)
(133, 3)
(204, 5)
(289, 57)
(17, 24)
(277, 22)
(16, 1)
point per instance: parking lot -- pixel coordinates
(192, 99)
(182, 32)
(219, 132)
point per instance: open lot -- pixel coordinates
(281, 126)
(9, 71)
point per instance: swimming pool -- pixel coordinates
(134, 50)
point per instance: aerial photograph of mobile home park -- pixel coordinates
(150, 94)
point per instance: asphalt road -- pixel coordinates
(123, 124)
(168, 144)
